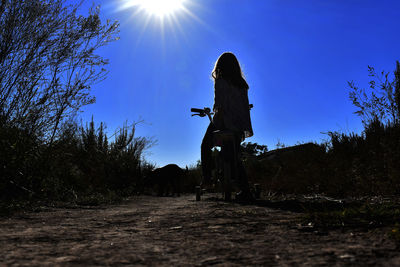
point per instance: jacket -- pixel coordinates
(231, 108)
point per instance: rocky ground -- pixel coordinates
(182, 232)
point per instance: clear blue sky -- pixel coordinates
(297, 56)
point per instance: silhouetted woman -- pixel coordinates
(231, 112)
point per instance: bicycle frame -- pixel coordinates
(222, 138)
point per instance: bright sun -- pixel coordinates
(165, 15)
(159, 8)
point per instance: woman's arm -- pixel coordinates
(219, 102)
(219, 95)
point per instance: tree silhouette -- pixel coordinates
(48, 62)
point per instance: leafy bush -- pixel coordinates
(80, 161)
(19, 160)
(382, 101)
(346, 165)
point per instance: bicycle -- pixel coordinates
(226, 164)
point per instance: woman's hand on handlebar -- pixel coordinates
(202, 112)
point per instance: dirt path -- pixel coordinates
(181, 231)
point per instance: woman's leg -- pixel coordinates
(243, 182)
(206, 154)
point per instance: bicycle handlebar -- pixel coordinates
(198, 110)
(207, 111)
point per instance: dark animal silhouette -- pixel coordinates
(167, 180)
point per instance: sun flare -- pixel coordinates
(158, 8)
(170, 18)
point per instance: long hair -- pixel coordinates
(228, 68)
